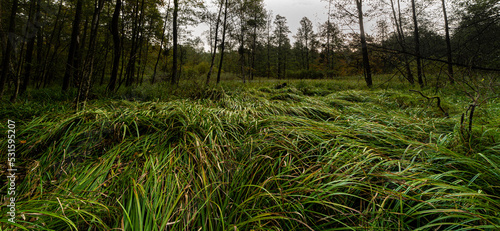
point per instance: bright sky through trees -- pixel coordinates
(295, 10)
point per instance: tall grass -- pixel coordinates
(311, 156)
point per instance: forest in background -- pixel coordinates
(80, 44)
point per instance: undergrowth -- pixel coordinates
(304, 157)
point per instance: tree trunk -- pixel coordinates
(269, 24)
(417, 44)
(2, 35)
(31, 32)
(364, 47)
(241, 52)
(279, 60)
(153, 79)
(254, 47)
(223, 45)
(10, 47)
(116, 45)
(212, 61)
(73, 47)
(401, 41)
(88, 71)
(50, 55)
(328, 34)
(448, 45)
(78, 76)
(136, 28)
(173, 80)
(307, 51)
(39, 46)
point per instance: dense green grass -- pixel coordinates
(316, 155)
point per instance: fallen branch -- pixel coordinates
(431, 98)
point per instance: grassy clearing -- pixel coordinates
(311, 156)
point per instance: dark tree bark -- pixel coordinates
(153, 79)
(254, 44)
(448, 45)
(223, 45)
(364, 47)
(31, 31)
(241, 39)
(144, 36)
(51, 50)
(10, 47)
(173, 80)
(2, 36)
(88, 72)
(417, 44)
(137, 24)
(73, 47)
(39, 45)
(328, 34)
(78, 75)
(401, 41)
(268, 61)
(216, 39)
(116, 46)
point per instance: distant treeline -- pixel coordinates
(82, 43)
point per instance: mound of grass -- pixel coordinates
(286, 97)
(257, 159)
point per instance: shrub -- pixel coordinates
(305, 74)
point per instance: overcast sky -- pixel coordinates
(292, 10)
(295, 10)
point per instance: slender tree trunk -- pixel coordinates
(241, 48)
(153, 79)
(448, 45)
(181, 58)
(116, 45)
(307, 51)
(2, 35)
(39, 46)
(130, 72)
(328, 46)
(88, 70)
(285, 63)
(212, 61)
(10, 47)
(364, 47)
(70, 64)
(78, 75)
(31, 32)
(121, 79)
(17, 74)
(173, 80)
(145, 61)
(269, 24)
(401, 41)
(279, 58)
(254, 47)
(45, 63)
(417, 44)
(241, 51)
(223, 45)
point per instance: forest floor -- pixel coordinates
(314, 155)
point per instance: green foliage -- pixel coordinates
(256, 158)
(305, 74)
